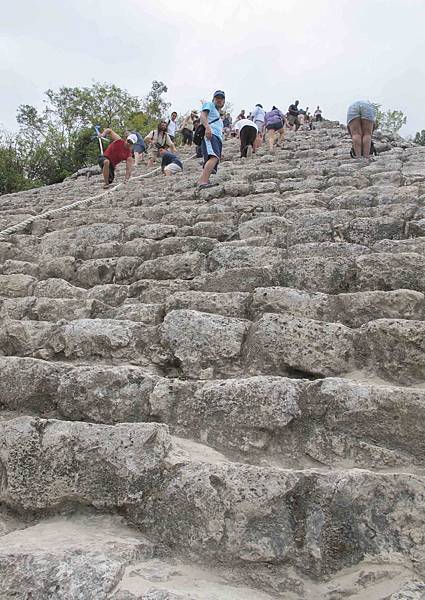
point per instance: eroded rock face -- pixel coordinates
(278, 344)
(47, 463)
(236, 374)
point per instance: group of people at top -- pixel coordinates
(208, 130)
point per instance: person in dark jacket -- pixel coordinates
(274, 121)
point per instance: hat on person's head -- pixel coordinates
(260, 105)
(132, 138)
(219, 94)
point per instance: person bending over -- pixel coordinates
(274, 121)
(361, 118)
(119, 150)
(247, 134)
(170, 163)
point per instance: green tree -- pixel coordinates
(12, 173)
(420, 138)
(55, 141)
(391, 120)
(154, 104)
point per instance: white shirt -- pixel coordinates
(172, 128)
(243, 123)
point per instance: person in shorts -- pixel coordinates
(258, 116)
(170, 163)
(361, 119)
(212, 143)
(248, 131)
(119, 150)
(156, 139)
(318, 114)
(274, 122)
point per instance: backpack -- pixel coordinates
(373, 150)
(199, 134)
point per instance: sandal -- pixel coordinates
(205, 186)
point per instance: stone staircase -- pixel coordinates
(218, 395)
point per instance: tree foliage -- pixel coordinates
(420, 137)
(389, 120)
(58, 139)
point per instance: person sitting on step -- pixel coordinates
(156, 139)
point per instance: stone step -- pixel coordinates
(317, 522)
(204, 345)
(262, 419)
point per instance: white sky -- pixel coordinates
(327, 52)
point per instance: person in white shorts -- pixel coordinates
(170, 163)
(361, 118)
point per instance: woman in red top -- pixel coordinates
(117, 151)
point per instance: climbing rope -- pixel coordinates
(54, 211)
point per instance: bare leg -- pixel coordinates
(208, 169)
(105, 172)
(282, 136)
(356, 135)
(367, 129)
(272, 135)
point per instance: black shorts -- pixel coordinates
(275, 126)
(248, 135)
(101, 160)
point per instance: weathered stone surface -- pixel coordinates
(202, 343)
(290, 301)
(160, 304)
(345, 423)
(243, 279)
(34, 389)
(105, 394)
(319, 274)
(91, 338)
(230, 304)
(48, 463)
(235, 508)
(262, 226)
(395, 349)
(184, 266)
(391, 271)
(12, 286)
(25, 338)
(76, 558)
(57, 288)
(279, 345)
(240, 414)
(231, 257)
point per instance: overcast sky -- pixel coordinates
(327, 52)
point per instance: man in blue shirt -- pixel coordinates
(170, 163)
(213, 141)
